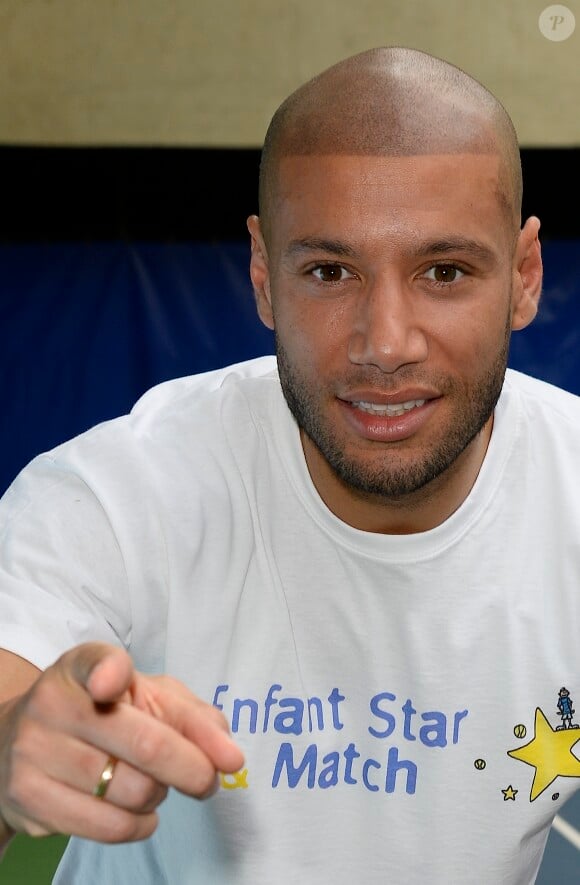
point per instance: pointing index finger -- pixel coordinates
(196, 720)
(184, 753)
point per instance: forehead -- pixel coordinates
(359, 196)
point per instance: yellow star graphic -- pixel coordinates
(550, 753)
(509, 793)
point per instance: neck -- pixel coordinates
(419, 511)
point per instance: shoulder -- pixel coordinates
(184, 406)
(539, 398)
(206, 416)
(544, 425)
(180, 394)
(174, 428)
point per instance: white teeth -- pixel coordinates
(393, 410)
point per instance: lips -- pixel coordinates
(391, 417)
(387, 397)
(390, 410)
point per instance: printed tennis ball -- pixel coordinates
(520, 731)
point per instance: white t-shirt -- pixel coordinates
(375, 683)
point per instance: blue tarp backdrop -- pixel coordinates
(85, 329)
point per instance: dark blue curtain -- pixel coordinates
(85, 329)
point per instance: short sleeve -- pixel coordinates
(62, 575)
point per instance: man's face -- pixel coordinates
(390, 292)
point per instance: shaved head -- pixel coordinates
(392, 101)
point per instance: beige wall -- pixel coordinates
(211, 72)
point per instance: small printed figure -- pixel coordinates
(565, 710)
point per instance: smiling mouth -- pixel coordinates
(392, 410)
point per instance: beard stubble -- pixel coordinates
(390, 476)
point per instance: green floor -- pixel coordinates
(31, 861)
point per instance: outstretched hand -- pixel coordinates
(56, 739)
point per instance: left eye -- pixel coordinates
(331, 273)
(444, 273)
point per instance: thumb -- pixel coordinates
(105, 671)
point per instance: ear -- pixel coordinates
(260, 272)
(527, 275)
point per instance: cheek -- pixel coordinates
(476, 328)
(482, 347)
(312, 332)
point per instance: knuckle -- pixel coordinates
(22, 742)
(44, 697)
(167, 682)
(26, 750)
(148, 746)
(128, 827)
(20, 791)
(121, 827)
(175, 686)
(144, 793)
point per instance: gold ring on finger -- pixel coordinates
(105, 778)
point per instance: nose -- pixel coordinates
(385, 331)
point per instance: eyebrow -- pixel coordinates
(318, 244)
(457, 244)
(444, 246)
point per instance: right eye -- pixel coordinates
(331, 273)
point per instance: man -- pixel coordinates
(363, 561)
